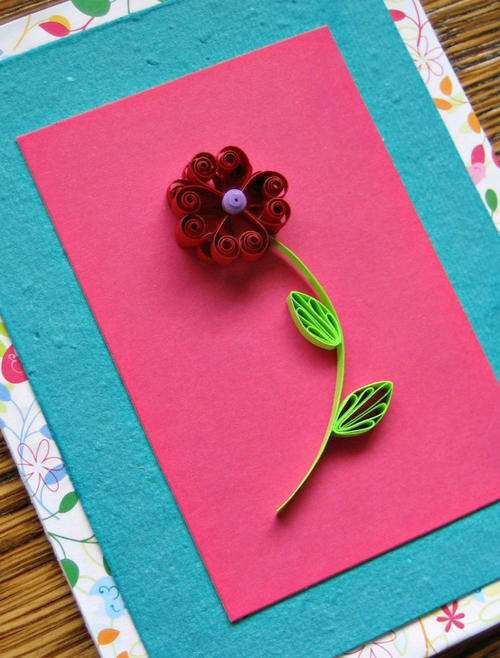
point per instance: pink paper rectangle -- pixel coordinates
(233, 400)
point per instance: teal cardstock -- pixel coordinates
(130, 506)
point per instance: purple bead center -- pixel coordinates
(234, 201)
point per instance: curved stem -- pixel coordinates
(19, 411)
(87, 540)
(60, 546)
(308, 275)
(339, 382)
(30, 424)
(323, 296)
(51, 516)
(25, 31)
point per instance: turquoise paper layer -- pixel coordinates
(130, 506)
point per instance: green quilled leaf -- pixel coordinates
(92, 7)
(362, 409)
(68, 502)
(314, 320)
(71, 570)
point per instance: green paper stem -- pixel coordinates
(307, 274)
(318, 321)
(339, 382)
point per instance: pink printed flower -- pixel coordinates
(477, 172)
(426, 58)
(375, 649)
(40, 468)
(12, 368)
(451, 617)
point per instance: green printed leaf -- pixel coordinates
(362, 409)
(491, 199)
(71, 570)
(93, 7)
(106, 566)
(314, 320)
(68, 502)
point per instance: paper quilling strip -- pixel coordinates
(227, 212)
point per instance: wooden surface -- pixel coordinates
(38, 617)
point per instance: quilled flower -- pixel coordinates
(226, 211)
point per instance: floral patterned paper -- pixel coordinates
(56, 502)
(35, 452)
(450, 99)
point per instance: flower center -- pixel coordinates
(234, 201)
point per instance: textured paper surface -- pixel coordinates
(74, 378)
(232, 400)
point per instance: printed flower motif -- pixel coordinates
(477, 172)
(225, 211)
(477, 169)
(57, 26)
(426, 58)
(40, 468)
(45, 431)
(454, 99)
(12, 368)
(375, 649)
(451, 617)
(113, 602)
(4, 393)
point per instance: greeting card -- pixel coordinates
(233, 401)
(230, 396)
